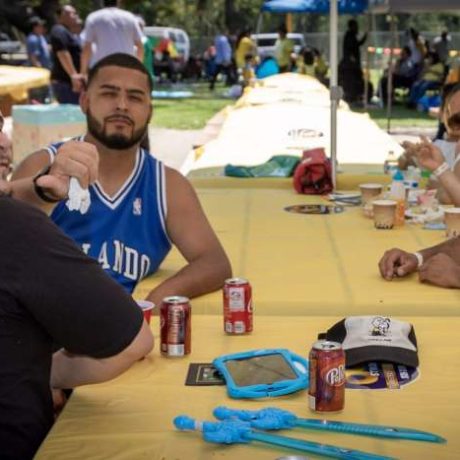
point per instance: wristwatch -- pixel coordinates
(40, 190)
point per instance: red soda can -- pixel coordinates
(237, 306)
(175, 326)
(327, 376)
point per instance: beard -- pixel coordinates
(114, 141)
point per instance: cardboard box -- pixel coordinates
(37, 126)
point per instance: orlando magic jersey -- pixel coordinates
(125, 233)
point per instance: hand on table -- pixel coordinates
(74, 159)
(440, 270)
(397, 262)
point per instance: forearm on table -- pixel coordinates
(66, 61)
(197, 278)
(69, 371)
(450, 247)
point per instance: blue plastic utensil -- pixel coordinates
(236, 431)
(272, 418)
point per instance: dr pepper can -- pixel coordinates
(327, 377)
(175, 326)
(237, 306)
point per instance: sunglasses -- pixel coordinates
(454, 121)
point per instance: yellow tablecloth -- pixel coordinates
(16, 81)
(309, 264)
(131, 417)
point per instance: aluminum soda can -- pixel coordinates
(237, 294)
(327, 377)
(175, 326)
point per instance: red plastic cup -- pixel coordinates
(146, 307)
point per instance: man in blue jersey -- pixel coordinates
(139, 207)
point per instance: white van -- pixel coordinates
(178, 36)
(266, 43)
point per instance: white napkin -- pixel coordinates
(79, 198)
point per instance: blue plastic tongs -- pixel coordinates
(238, 432)
(272, 418)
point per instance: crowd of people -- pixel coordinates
(239, 60)
(71, 47)
(421, 66)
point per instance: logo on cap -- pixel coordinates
(380, 326)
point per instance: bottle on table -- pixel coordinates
(391, 163)
(398, 194)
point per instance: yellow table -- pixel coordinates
(15, 81)
(308, 264)
(131, 417)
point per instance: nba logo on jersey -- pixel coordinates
(137, 207)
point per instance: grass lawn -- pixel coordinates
(401, 117)
(191, 113)
(194, 112)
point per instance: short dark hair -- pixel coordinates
(124, 60)
(60, 9)
(352, 23)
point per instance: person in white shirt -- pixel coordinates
(442, 157)
(107, 31)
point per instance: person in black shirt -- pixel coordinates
(51, 293)
(350, 72)
(351, 43)
(66, 50)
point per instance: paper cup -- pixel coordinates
(369, 192)
(452, 221)
(146, 307)
(384, 213)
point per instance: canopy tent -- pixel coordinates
(412, 6)
(313, 6)
(321, 7)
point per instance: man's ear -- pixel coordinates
(84, 102)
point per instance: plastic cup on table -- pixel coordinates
(384, 214)
(369, 192)
(147, 308)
